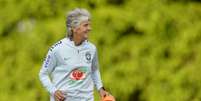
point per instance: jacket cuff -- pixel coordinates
(52, 90)
(101, 88)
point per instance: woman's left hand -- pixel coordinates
(103, 93)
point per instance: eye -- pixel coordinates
(86, 25)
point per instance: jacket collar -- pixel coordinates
(72, 43)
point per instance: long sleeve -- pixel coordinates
(95, 72)
(47, 67)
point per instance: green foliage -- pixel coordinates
(149, 50)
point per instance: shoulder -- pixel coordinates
(91, 45)
(57, 45)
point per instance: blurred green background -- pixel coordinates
(149, 50)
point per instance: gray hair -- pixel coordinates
(74, 19)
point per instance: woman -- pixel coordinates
(70, 69)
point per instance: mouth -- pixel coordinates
(86, 32)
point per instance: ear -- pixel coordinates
(74, 29)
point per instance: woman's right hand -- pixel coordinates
(59, 96)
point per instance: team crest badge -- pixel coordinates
(88, 57)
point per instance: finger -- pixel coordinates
(61, 95)
(56, 98)
(104, 95)
(107, 93)
(63, 99)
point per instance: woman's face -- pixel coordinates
(82, 30)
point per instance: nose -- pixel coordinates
(89, 28)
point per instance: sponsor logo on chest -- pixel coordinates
(78, 74)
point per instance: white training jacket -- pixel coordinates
(71, 69)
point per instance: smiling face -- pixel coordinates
(81, 32)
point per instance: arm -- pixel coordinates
(47, 67)
(96, 73)
(96, 76)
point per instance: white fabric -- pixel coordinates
(71, 69)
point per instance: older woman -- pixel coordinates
(70, 69)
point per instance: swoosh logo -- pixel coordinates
(65, 59)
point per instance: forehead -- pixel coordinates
(85, 22)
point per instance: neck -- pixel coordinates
(77, 41)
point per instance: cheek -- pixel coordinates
(78, 30)
(82, 30)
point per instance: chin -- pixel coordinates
(85, 37)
